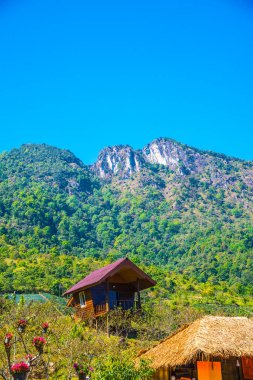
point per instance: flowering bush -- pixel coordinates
(45, 326)
(29, 357)
(39, 343)
(7, 339)
(9, 336)
(21, 367)
(82, 370)
(22, 322)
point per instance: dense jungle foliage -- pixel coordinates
(58, 221)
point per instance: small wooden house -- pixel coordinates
(211, 348)
(115, 285)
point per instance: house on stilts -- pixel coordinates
(211, 348)
(116, 285)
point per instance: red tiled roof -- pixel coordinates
(102, 274)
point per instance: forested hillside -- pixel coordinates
(184, 213)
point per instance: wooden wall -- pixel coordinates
(229, 369)
(88, 310)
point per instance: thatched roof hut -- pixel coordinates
(207, 339)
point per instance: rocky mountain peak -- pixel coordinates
(121, 160)
(166, 152)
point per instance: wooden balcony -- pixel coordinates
(123, 304)
(100, 309)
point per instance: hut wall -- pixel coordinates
(247, 367)
(88, 310)
(162, 374)
(185, 371)
(98, 294)
(230, 370)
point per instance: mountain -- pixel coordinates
(123, 161)
(120, 160)
(34, 163)
(171, 166)
(185, 213)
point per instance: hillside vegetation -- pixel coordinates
(65, 349)
(187, 221)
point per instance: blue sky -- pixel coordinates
(84, 74)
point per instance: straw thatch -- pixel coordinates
(204, 339)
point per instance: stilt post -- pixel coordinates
(138, 295)
(107, 308)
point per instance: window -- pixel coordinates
(82, 299)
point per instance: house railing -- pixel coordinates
(100, 309)
(123, 304)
